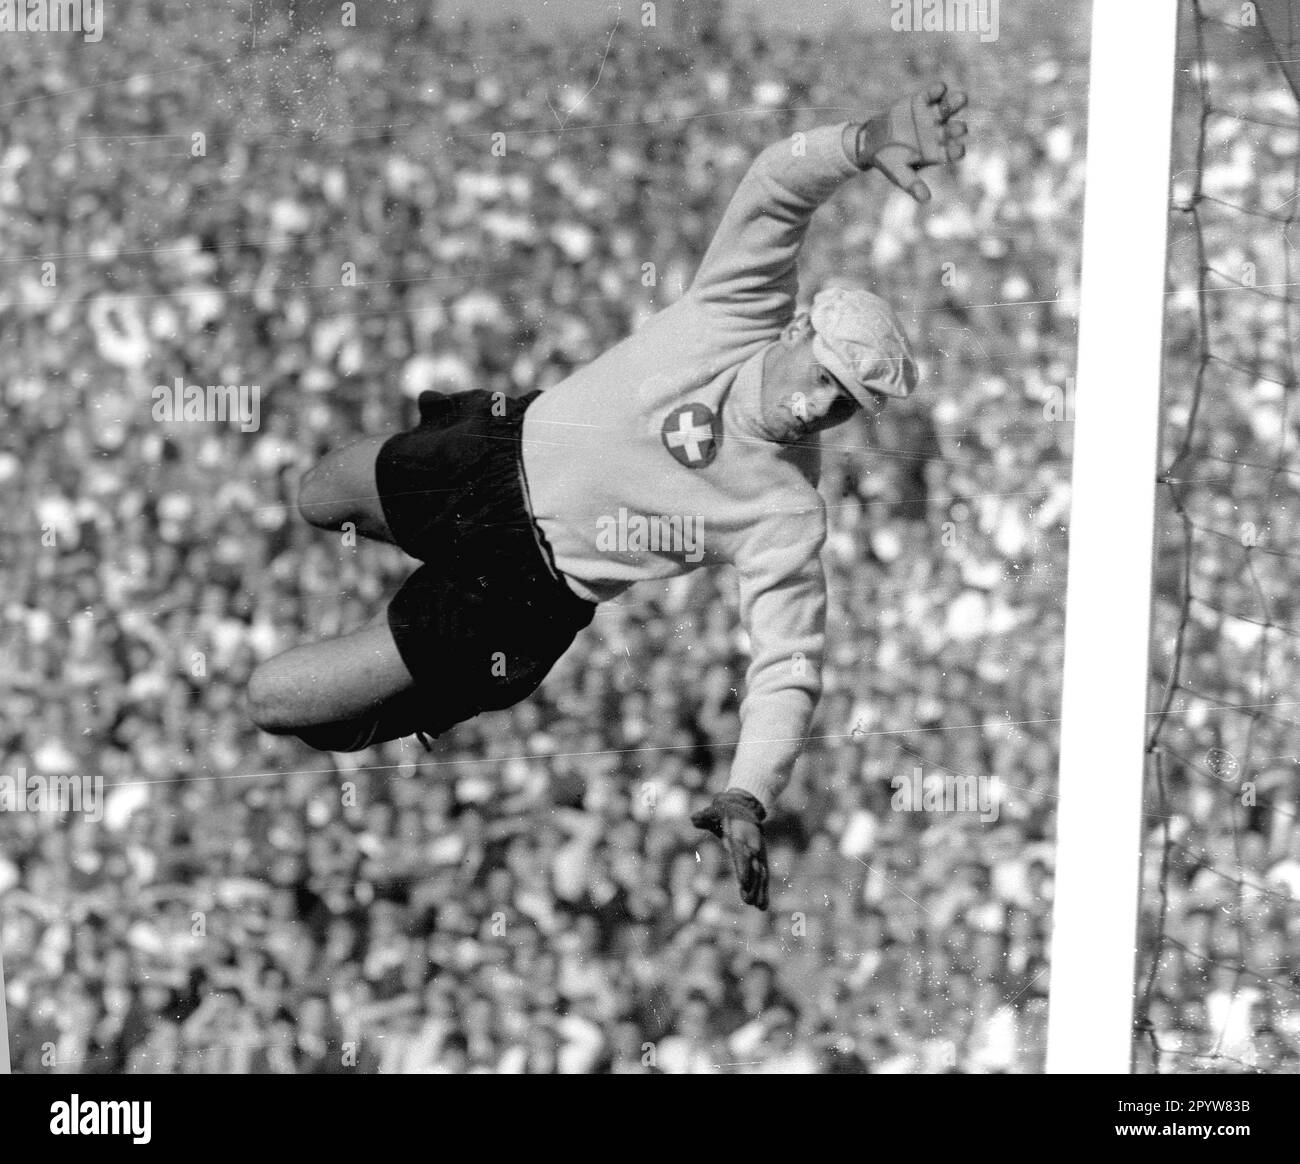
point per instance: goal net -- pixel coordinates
(1218, 964)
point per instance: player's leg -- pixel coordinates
(342, 488)
(335, 689)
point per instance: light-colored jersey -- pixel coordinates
(649, 461)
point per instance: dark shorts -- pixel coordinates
(483, 621)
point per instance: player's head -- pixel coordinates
(849, 353)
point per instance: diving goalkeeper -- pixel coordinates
(710, 412)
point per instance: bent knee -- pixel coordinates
(268, 706)
(341, 487)
(315, 504)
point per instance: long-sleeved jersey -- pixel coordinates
(650, 461)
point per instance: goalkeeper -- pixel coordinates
(710, 414)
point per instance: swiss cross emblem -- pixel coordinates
(691, 434)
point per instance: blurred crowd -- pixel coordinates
(345, 220)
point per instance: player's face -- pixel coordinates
(800, 397)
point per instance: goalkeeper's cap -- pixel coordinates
(861, 342)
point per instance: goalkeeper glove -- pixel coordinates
(914, 133)
(736, 819)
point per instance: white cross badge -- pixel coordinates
(691, 434)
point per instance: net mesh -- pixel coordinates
(1218, 967)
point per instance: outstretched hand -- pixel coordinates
(919, 131)
(736, 818)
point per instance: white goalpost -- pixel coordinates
(1108, 596)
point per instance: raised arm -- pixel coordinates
(751, 261)
(750, 264)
